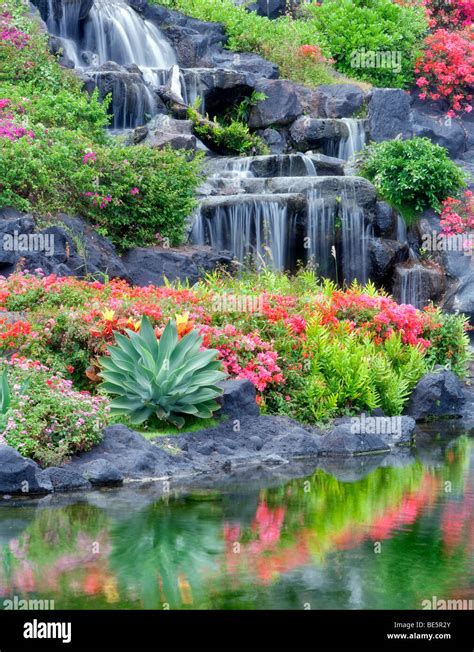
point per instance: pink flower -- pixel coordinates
(134, 191)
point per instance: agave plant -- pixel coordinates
(166, 378)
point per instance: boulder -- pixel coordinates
(281, 107)
(45, 7)
(19, 475)
(274, 139)
(313, 133)
(253, 65)
(102, 473)
(131, 454)
(65, 479)
(337, 100)
(147, 266)
(163, 131)
(384, 254)
(132, 98)
(441, 130)
(389, 114)
(71, 247)
(268, 8)
(238, 400)
(342, 441)
(219, 89)
(438, 394)
(418, 284)
(385, 220)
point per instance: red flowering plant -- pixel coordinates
(457, 215)
(445, 69)
(449, 13)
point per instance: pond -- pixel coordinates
(389, 539)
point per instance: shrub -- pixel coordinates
(48, 420)
(350, 372)
(350, 27)
(163, 379)
(411, 174)
(446, 69)
(141, 194)
(450, 346)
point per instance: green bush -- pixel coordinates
(348, 26)
(411, 174)
(48, 420)
(450, 343)
(165, 184)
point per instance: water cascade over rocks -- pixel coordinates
(298, 205)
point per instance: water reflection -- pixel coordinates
(389, 540)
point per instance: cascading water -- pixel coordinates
(346, 252)
(321, 234)
(113, 32)
(254, 231)
(355, 238)
(348, 147)
(411, 281)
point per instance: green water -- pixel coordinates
(389, 540)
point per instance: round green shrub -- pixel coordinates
(411, 174)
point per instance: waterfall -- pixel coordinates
(113, 32)
(411, 284)
(321, 234)
(402, 235)
(351, 243)
(254, 230)
(411, 281)
(355, 237)
(356, 140)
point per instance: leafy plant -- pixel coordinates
(164, 379)
(234, 137)
(411, 174)
(349, 28)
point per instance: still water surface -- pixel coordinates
(396, 537)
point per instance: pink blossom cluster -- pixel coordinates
(10, 34)
(457, 215)
(8, 127)
(99, 200)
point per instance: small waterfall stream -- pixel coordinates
(348, 147)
